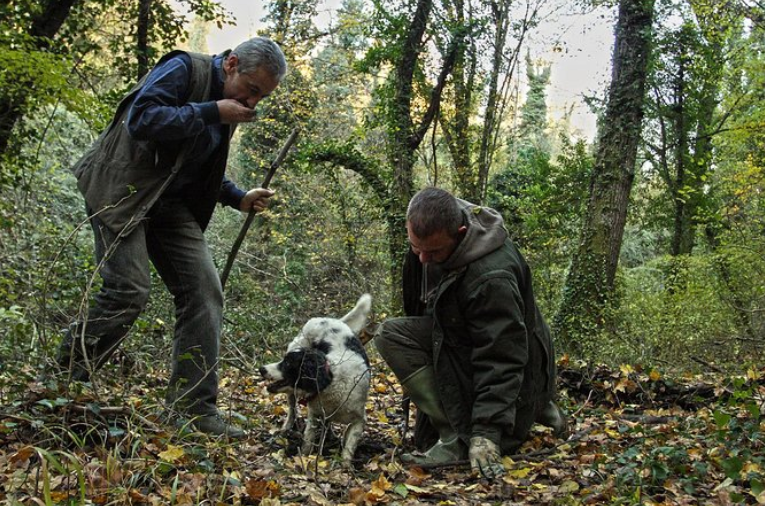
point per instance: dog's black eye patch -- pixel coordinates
(323, 346)
(353, 344)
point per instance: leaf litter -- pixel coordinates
(638, 437)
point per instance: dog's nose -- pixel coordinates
(262, 371)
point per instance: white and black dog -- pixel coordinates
(326, 365)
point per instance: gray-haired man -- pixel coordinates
(151, 182)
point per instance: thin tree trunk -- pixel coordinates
(492, 116)
(142, 37)
(405, 136)
(590, 282)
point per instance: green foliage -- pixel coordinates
(678, 310)
(740, 436)
(319, 247)
(45, 257)
(541, 201)
(532, 132)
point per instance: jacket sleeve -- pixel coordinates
(230, 195)
(494, 317)
(160, 111)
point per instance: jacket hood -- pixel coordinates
(485, 233)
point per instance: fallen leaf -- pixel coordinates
(172, 454)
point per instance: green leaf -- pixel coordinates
(757, 487)
(732, 467)
(45, 402)
(116, 431)
(401, 490)
(721, 419)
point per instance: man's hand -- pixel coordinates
(232, 112)
(257, 199)
(485, 458)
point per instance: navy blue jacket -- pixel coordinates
(165, 141)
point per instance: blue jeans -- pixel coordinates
(174, 243)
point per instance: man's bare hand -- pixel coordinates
(257, 199)
(232, 112)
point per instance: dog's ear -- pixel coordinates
(315, 373)
(357, 317)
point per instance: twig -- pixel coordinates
(707, 364)
(114, 410)
(251, 215)
(647, 419)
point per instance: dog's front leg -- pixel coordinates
(352, 438)
(289, 423)
(309, 434)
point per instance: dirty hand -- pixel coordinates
(485, 458)
(257, 199)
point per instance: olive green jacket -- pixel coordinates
(120, 177)
(492, 350)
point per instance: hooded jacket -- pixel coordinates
(492, 351)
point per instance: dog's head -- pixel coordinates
(303, 370)
(324, 333)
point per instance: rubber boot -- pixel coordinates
(423, 390)
(552, 416)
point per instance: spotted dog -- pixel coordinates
(327, 367)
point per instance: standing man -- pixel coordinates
(479, 361)
(151, 182)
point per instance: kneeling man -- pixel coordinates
(477, 360)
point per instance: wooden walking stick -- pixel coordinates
(251, 215)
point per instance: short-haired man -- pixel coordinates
(151, 182)
(478, 361)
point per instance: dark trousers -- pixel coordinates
(174, 243)
(406, 344)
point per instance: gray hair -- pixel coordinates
(260, 51)
(434, 210)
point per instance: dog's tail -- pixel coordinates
(357, 317)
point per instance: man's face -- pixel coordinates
(437, 248)
(247, 89)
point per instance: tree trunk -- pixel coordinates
(495, 102)
(43, 27)
(404, 136)
(456, 126)
(142, 37)
(457, 129)
(590, 282)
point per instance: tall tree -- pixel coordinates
(406, 102)
(589, 286)
(482, 87)
(460, 108)
(405, 128)
(533, 129)
(683, 111)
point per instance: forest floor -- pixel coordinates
(637, 437)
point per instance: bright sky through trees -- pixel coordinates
(578, 47)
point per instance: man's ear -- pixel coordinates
(230, 63)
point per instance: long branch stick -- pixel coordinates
(251, 215)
